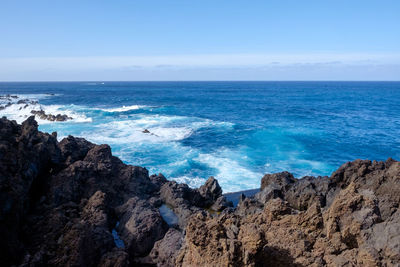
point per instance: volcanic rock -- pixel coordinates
(347, 219)
(42, 115)
(166, 250)
(72, 203)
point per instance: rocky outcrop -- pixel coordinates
(64, 203)
(31, 106)
(73, 203)
(166, 250)
(348, 219)
(50, 117)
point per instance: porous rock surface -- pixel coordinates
(66, 203)
(349, 219)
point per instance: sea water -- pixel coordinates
(234, 131)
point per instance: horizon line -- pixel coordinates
(74, 81)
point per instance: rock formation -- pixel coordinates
(73, 203)
(50, 117)
(8, 100)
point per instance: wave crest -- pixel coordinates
(19, 107)
(123, 108)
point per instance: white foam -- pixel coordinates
(179, 163)
(38, 96)
(21, 112)
(231, 175)
(211, 123)
(153, 120)
(160, 128)
(30, 97)
(123, 108)
(193, 122)
(67, 110)
(193, 182)
(171, 133)
(130, 131)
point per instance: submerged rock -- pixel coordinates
(71, 203)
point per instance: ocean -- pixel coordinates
(234, 131)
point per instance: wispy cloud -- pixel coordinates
(200, 60)
(199, 67)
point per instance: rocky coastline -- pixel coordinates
(71, 203)
(7, 101)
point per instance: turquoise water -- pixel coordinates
(235, 131)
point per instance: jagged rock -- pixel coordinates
(269, 192)
(292, 229)
(140, 226)
(166, 250)
(176, 194)
(74, 149)
(62, 203)
(180, 198)
(186, 201)
(62, 198)
(221, 203)
(95, 211)
(282, 179)
(248, 206)
(158, 180)
(115, 258)
(307, 191)
(211, 190)
(50, 117)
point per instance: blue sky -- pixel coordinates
(199, 40)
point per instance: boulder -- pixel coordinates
(211, 190)
(140, 226)
(165, 251)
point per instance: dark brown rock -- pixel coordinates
(59, 201)
(348, 219)
(282, 179)
(69, 203)
(50, 117)
(115, 258)
(166, 250)
(140, 226)
(211, 190)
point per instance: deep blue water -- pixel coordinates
(235, 131)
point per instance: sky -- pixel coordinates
(199, 40)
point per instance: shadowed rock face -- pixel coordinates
(60, 203)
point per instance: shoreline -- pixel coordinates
(73, 203)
